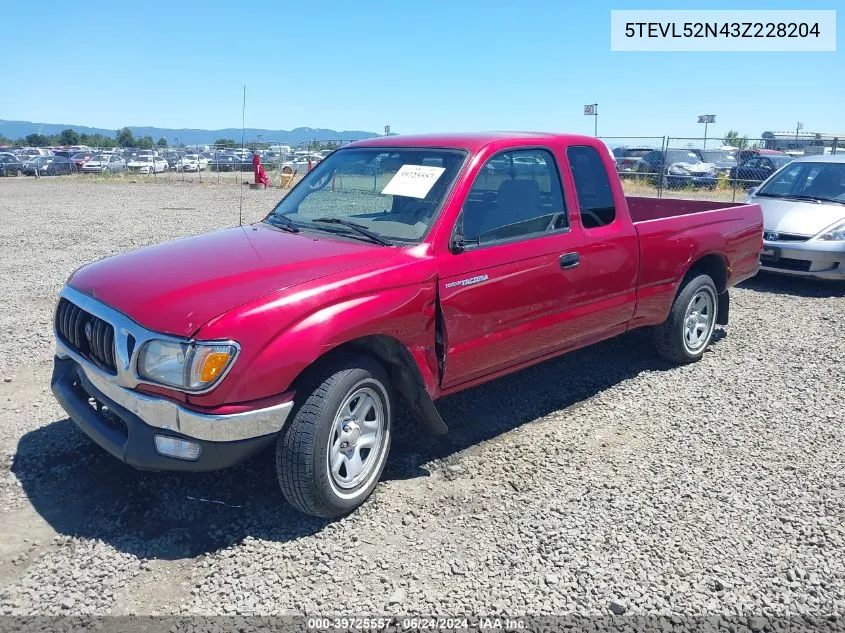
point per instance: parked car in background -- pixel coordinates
(31, 152)
(10, 165)
(225, 162)
(148, 164)
(756, 168)
(49, 166)
(300, 163)
(104, 163)
(803, 207)
(80, 158)
(172, 157)
(677, 168)
(744, 154)
(306, 330)
(626, 157)
(192, 163)
(722, 159)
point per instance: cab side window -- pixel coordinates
(516, 194)
(592, 186)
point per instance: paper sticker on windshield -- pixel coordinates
(413, 181)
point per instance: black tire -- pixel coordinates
(302, 449)
(670, 337)
(19, 173)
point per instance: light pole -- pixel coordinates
(592, 109)
(706, 119)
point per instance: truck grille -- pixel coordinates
(87, 334)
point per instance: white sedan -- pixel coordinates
(148, 165)
(300, 163)
(192, 162)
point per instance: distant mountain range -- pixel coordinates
(20, 129)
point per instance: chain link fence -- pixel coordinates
(707, 168)
(652, 166)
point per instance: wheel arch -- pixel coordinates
(403, 370)
(716, 267)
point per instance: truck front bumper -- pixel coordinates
(126, 423)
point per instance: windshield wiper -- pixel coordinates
(286, 223)
(372, 235)
(818, 199)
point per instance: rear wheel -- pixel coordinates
(330, 455)
(19, 173)
(688, 330)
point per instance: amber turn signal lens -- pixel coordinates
(213, 365)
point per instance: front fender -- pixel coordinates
(279, 341)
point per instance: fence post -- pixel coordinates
(663, 149)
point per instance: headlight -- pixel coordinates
(836, 234)
(677, 170)
(187, 366)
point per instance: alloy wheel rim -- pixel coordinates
(357, 439)
(699, 320)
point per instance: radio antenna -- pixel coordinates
(240, 179)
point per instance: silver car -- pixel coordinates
(804, 218)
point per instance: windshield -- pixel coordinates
(681, 156)
(396, 192)
(716, 156)
(820, 181)
(79, 156)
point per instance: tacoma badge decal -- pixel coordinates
(468, 282)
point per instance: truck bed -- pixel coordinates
(646, 209)
(674, 233)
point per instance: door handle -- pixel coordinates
(569, 260)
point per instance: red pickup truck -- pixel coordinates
(400, 267)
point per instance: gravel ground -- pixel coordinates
(602, 482)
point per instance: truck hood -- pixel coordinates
(177, 287)
(798, 217)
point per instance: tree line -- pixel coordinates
(122, 138)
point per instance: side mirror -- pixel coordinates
(751, 191)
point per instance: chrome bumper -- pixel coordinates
(154, 411)
(169, 416)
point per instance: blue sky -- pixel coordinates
(421, 66)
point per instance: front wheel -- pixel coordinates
(688, 330)
(330, 456)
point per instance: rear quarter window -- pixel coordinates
(592, 186)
